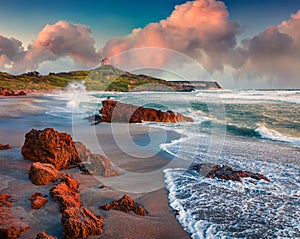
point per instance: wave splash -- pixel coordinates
(273, 135)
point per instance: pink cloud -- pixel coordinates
(199, 29)
(273, 54)
(10, 50)
(62, 39)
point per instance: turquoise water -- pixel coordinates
(251, 130)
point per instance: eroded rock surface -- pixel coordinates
(10, 227)
(80, 223)
(44, 235)
(38, 200)
(66, 193)
(5, 147)
(77, 221)
(94, 164)
(226, 172)
(7, 92)
(99, 165)
(114, 111)
(50, 146)
(42, 173)
(125, 204)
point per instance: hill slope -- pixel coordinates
(104, 78)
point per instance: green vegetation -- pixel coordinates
(104, 78)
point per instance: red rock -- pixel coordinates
(10, 227)
(139, 210)
(42, 173)
(38, 201)
(50, 146)
(99, 165)
(7, 92)
(22, 93)
(70, 182)
(228, 173)
(114, 111)
(125, 204)
(44, 235)
(80, 223)
(83, 152)
(5, 147)
(66, 193)
(5, 200)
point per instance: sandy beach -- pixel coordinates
(160, 221)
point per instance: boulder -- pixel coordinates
(226, 172)
(10, 227)
(83, 152)
(5, 147)
(42, 173)
(125, 204)
(80, 223)
(50, 146)
(70, 182)
(66, 193)
(44, 235)
(7, 92)
(5, 200)
(114, 111)
(99, 165)
(22, 93)
(38, 201)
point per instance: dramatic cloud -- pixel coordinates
(62, 39)
(10, 50)
(273, 55)
(199, 29)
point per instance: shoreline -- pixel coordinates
(160, 221)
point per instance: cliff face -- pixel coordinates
(197, 85)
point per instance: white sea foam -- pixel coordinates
(276, 136)
(274, 96)
(210, 208)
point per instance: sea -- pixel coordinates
(252, 130)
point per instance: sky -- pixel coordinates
(242, 44)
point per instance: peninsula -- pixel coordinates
(104, 78)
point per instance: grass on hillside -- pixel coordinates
(104, 78)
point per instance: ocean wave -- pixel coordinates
(273, 135)
(288, 96)
(220, 209)
(18, 107)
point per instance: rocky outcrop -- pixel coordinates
(5, 200)
(6, 92)
(5, 147)
(125, 204)
(94, 164)
(114, 111)
(83, 152)
(80, 223)
(66, 193)
(50, 146)
(42, 173)
(99, 165)
(38, 201)
(10, 227)
(227, 172)
(77, 221)
(44, 235)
